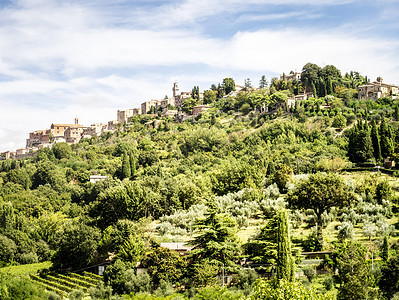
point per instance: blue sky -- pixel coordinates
(88, 58)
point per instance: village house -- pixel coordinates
(376, 90)
(169, 113)
(146, 106)
(181, 248)
(197, 110)
(124, 115)
(72, 135)
(38, 137)
(298, 99)
(95, 178)
(294, 76)
(112, 125)
(94, 129)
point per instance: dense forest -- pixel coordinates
(251, 186)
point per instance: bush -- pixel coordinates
(140, 283)
(100, 292)
(76, 295)
(27, 258)
(328, 283)
(7, 249)
(309, 272)
(312, 243)
(345, 231)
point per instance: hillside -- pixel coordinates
(226, 173)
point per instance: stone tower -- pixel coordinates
(76, 120)
(175, 89)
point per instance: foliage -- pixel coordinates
(282, 176)
(77, 247)
(285, 267)
(309, 272)
(284, 290)
(321, 192)
(389, 282)
(216, 240)
(354, 276)
(164, 264)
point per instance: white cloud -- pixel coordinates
(65, 60)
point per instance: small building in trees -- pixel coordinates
(146, 106)
(197, 110)
(181, 248)
(376, 90)
(124, 115)
(179, 97)
(95, 178)
(292, 76)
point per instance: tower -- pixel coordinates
(76, 120)
(175, 89)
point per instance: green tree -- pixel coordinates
(188, 105)
(8, 249)
(48, 172)
(310, 76)
(284, 257)
(389, 282)
(126, 170)
(77, 247)
(285, 290)
(209, 96)
(375, 138)
(354, 274)
(61, 150)
(360, 145)
(278, 98)
(216, 240)
(132, 249)
(282, 176)
(132, 164)
(321, 192)
(262, 248)
(263, 82)
(339, 121)
(228, 85)
(385, 249)
(195, 94)
(164, 264)
(387, 140)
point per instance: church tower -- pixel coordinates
(175, 89)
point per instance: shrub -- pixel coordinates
(345, 231)
(76, 295)
(309, 272)
(328, 283)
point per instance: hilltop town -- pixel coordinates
(173, 108)
(193, 192)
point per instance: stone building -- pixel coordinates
(124, 115)
(146, 106)
(376, 90)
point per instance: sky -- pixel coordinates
(88, 58)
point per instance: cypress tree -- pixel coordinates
(126, 172)
(285, 268)
(132, 165)
(314, 90)
(385, 249)
(387, 145)
(375, 138)
(360, 146)
(396, 113)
